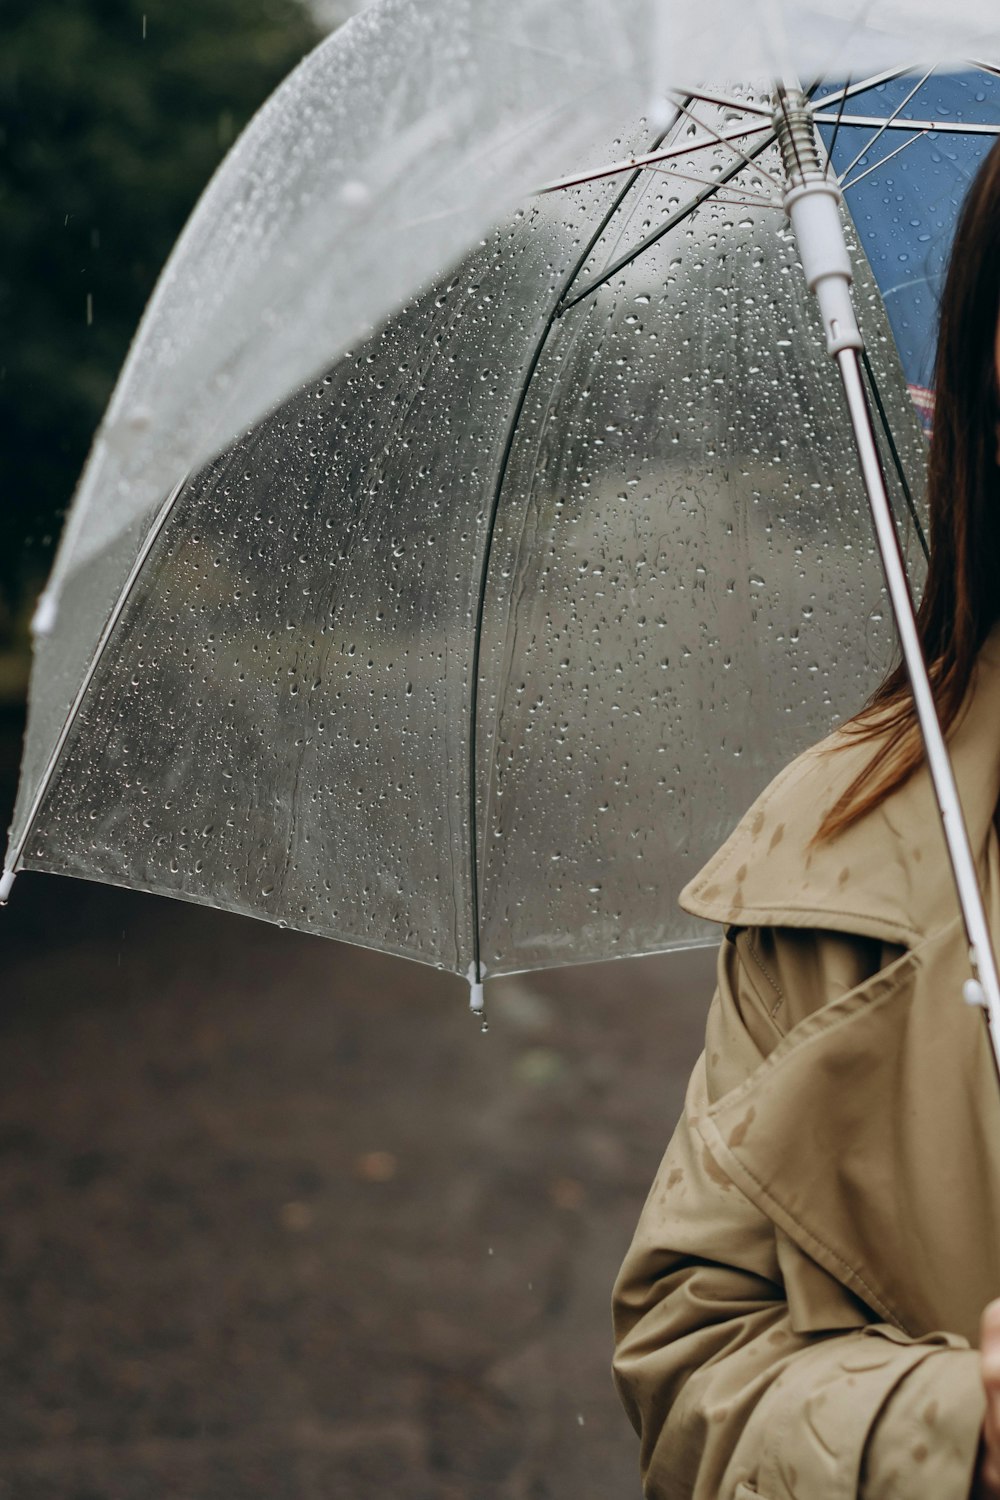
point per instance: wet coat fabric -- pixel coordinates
(798, 1311)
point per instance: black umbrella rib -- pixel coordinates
(897, 461)
(556, 311)
(837, 125)
(657, 234)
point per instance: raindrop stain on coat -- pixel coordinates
(714, 1171)
(738, 1133)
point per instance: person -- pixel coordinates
(801, 1312)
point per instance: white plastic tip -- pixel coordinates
(6, 886)
(973, 993)
(44, 617)
(476, 1001)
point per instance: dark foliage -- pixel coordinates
(113, 114)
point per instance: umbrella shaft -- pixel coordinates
(812, 201)
(984, 989)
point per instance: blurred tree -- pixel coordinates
(113, 114)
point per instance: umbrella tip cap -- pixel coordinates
(6, 886)
(474, 974)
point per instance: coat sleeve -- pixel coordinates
(731, 1398)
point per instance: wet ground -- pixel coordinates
(278, 1223)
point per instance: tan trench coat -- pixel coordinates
(796, 1313)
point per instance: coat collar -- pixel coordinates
(888, 875)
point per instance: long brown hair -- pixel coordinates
(961, 599)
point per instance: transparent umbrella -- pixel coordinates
(460, 650)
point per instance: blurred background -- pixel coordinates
(276, 1220)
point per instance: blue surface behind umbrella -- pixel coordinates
(906, 210)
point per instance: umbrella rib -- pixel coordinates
(15, 853)
(941, 127)
(725, 102)
(897, 460)
(920, 135)
(730, 145)
(651, 158)
(887, 123)
(851, 90)
(657, 234)
(836, 128)
(747, 202)
(508, 448)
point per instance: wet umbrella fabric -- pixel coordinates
(303, 664)
(282, 720)
(383, 159)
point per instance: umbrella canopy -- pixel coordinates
(462, 651)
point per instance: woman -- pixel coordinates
(799, 1312)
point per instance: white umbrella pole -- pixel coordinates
(812, 201)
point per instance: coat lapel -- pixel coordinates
(871, 1137)
(871, 1134)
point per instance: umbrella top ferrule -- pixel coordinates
(796, 137)
(813, 203)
